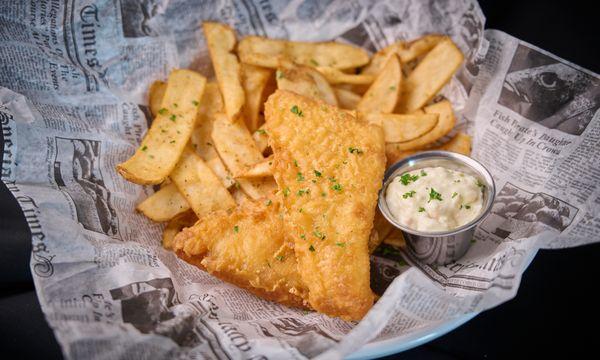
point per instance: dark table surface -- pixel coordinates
(554, 312)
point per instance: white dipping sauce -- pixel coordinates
(434, 199)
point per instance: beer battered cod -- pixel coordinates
(329, 168)
(246, 247)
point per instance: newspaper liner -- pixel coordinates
(72, 106)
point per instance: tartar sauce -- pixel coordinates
(434, 199)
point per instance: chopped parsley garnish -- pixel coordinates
(481, 185)
(408, 194)
(407, 178)
(295, 163)
(332, 179)
(261, 131)
(303, 191)
(311, 248)
(392, 88)
(151, 156)
(296, 110)
(175, 105)
(172, 142)
(319, 234)
(144, 148)
(280, 257)
(302, 236)
(421, 209)
(317, 173)
(337, 187)
(173, 118)
(323, 194)
(279, 74)
(314, 62)
(299, 177)
(163, 111)
(340, 244)
(457, 180)
(236, 229)
(434, 195)
(454, 194)
(286, 191)
(195, 103)
(423, 173)
(354, 150)
(269, 202)
(467, 207)
(300, 210)
(164, 131)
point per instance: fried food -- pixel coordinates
(164, 204)
(305, 81)
(254, 81)
(246, 247)
(384, 93)
(155, 96)
(329, 167)
(258, 170)
(175, 225)
(346, 98)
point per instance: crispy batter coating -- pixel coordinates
(246, 247)
(329, 167)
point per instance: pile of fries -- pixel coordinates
(210, 149)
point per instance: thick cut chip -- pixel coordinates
(346, 98)
(329, 167)
(254, 81)
(395, 239)
(238, 150)
(155, 96)
(383, 94)
(446, 122)
(305, 81)
(269, 53)
(199, 185)
(401, 128)
(381, 229)
(175, 225)
(261, 138)
(460, 143)
(247, 248)
(259, 170)
(258, 189)
(164, 204)
(335, 76)
(170, 131)
(430, 75)
(221, 41)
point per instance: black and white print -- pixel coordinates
(77, 174)
(550, 93)
(142, 17)
(516, 208)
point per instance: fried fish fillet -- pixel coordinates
(329, 168)
(246, 247)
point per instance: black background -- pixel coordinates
(555, 311)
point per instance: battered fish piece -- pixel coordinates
(246, 247)
(329, 168)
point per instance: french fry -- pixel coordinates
(238, 150)
(155, 96)
(164, 204)
(335, 76)
(199, 185)
(346, 98)
(259, 170)
(446, 122)
(261, 138)
(460, 143)
(170, 131)
(221, 42)
(401, 128)
(395, 239)
(258, 188)
(305, 81)
(265, 52)
(254, 81)
(383, 94)
(175, 225)
(381, 229)
(430, 75)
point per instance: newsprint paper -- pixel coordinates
(74, 76)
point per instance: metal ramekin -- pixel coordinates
(439, 247)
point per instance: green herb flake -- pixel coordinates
(319, 234)
(262, 131)
(303, 191)
(279, 74)
(299, 177)
(172, 142)
(269, 202)
(295, 110)
(195, 103)
(454, 194)
(481, 185)
(434, 195)
(407, 178)
(337, 187)
(173, 118)
(295, 163)
(163, 111)
(236, 229)
(392, 88)
(317, 173)
(280, 257)
(408, 194)
(314, 62)
(332, 179)
(144, 148)
(423, 173)
(323, 194)
(302, 236)
(467, 207)
(421, 209)
(175, 105)
(354, 150)
(340, 244)
(286, 191)
(311, 248)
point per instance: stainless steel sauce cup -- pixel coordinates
(439, 247)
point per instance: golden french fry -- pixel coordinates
(265, 52)
(395, 239)
(305, 81)
(446, 122)
(402, 128)
(258, 188)
(219, 169)
(460, 143)
(384, 93)
(199, 185)
(430, 75)
(174, 226)
(221, 41)
(239, 196)
(261, 138)
(170, 131)
(259, 170)
(335, 76)
(164, 204)
(381, 229)
(346, 98)
(238, 150)
(254, 81)
(155, 96)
